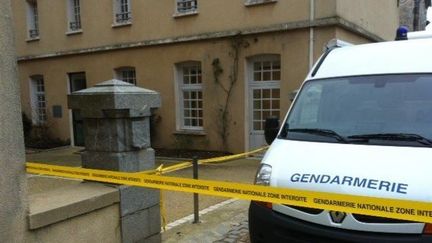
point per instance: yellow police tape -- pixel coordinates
(390, 208)
(187, 164)
(162, 202)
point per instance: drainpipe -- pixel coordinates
(311, 33)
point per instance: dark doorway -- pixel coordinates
(77, 81)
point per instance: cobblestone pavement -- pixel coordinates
(239, 233)
(225, 223)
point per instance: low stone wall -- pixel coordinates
(101, 225)
(72, 211)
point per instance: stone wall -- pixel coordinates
(407, 11)
(13, 206)
(69, 211)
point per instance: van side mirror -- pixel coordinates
(293, 94)
(271, 129)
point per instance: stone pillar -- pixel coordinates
(13, 206)
(116, 118)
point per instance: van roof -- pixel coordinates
(393, 57)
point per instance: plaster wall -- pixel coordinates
(379, 17)
(155, 69)
(155, 64)
(151, 19)
(348, 36)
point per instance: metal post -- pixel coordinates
(195, 195)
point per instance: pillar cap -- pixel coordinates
(111, 95)
(114, 86)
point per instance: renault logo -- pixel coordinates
(337, 217)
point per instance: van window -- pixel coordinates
(366, 105)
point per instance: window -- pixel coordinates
(126, 74)
(190, 96)
(186, 6)
(266, 70)
(122, 12)
(265, 89)
(74, 15)
(77, 81)
(32, 19)
(38, 103)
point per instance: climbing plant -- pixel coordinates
(237, 43)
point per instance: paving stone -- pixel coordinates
(230, 240)
(238, 233)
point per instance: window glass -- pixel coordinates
(123, 12)
(32, 19)
(74, 15)
(185, 6)
(266, 71)
(126, 74)
(38, 100)
(385, 104)
(191, 95)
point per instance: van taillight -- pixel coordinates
(265, 204)
(427, 229)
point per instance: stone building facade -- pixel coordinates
(221, 66)
(413, 13)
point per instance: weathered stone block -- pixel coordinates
(140, 133)
(133, 161)
(106, 135)
(135, 227)
(154, 218)
(134, 199)
(117, 135)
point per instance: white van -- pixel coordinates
(363, 114)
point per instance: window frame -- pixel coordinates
(193, 8)
(74, 16)
(38, 100)
(271, 84)
(272, 71)
(181, 88)
(120, 71)
(33, 32)
(122, 12)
